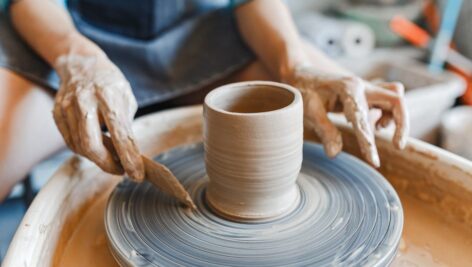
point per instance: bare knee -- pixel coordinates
(27, 131)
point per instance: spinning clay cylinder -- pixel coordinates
(253, 140)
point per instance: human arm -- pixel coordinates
(268, 29)
(92, 87)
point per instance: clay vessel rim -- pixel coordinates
(208, 102)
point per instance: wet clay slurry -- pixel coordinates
(253, 136)
(428, 248)
(430, 239)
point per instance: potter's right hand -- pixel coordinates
(94, 90)
(366, 105)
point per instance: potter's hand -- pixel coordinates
(366, 105)
(93, 89)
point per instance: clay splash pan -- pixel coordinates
(348, 215)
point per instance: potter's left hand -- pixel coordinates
(93, 90)
(366, 105)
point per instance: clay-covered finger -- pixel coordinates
(119, 125)
(375, 115)
(390, 96)
(356, 111)
(385, 120)
(400, 115)
(133, 104)
(60, 119)
(70, 120)
(317, 118)
(90, 134)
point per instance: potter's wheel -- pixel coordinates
(348, 216)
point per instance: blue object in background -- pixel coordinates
(446, 31)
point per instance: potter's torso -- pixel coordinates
(145, 20)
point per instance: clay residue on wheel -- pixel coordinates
(430, 239)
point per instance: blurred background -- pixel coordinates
(425, 44)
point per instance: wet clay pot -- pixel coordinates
(253, 138)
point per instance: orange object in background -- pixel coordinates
(466, 98)
(421, 38)
(410, 31)
(432, 15)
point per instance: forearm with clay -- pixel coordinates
(267, 27)
(92, 87)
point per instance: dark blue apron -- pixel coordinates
(165, 48)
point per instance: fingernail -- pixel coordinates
(333, 148)
(402, 142)
(189, 203)
(375, 160)
(135, 175)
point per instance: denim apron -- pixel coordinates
(165, 48)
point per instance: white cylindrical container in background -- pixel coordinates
(358, 40)
(336, 37)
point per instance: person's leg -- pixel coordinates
(27, 130)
